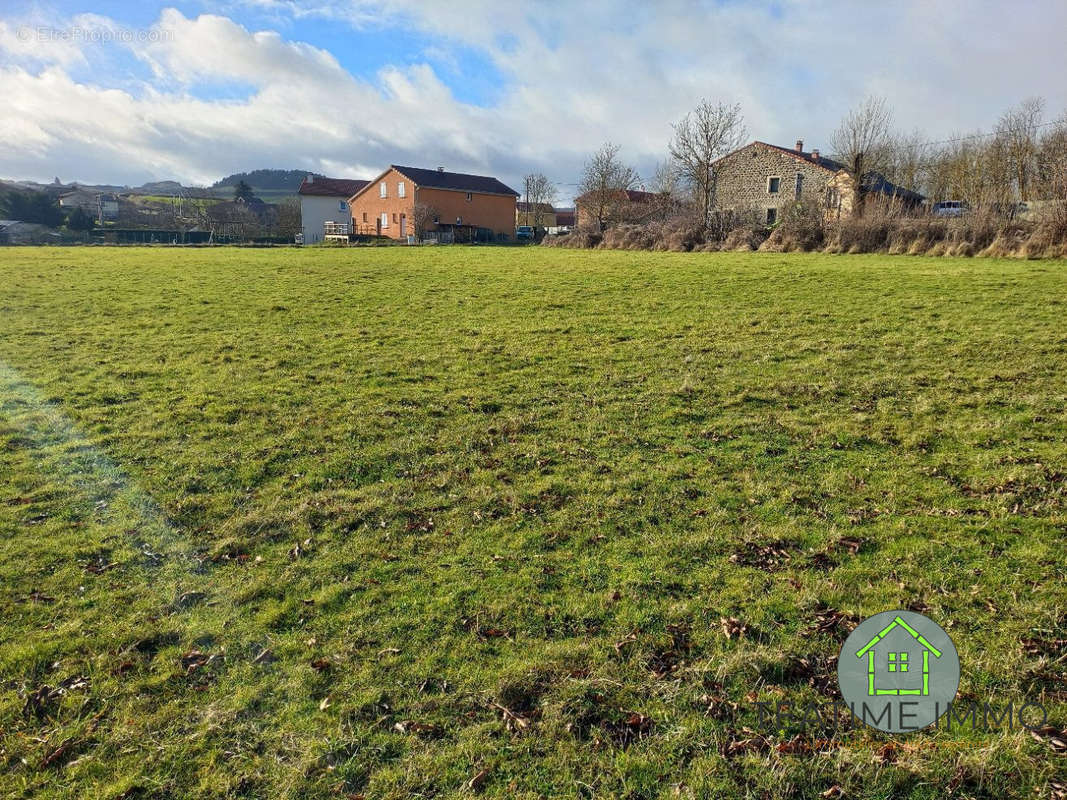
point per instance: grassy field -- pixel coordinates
(395, 523)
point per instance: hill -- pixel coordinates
(277, 180)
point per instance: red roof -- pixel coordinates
(330, 187)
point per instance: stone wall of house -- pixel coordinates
(743, 181)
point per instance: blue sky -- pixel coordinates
(502, 87)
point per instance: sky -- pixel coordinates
(120, 92)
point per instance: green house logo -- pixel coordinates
(897, 661)
(898, 671)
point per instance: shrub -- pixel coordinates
(802, 228)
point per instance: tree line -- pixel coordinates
(1022, 159)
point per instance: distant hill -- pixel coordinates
(276, 180)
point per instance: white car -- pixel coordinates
(949, 208)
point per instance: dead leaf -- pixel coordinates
(325, 703)
(731, 626)
(476, 783)
(57, 754)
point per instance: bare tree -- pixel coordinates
(288, 224)
(862, 143)
(424, 215)
(665, 179)
(703, 136)
(908, 159)
(1017, 135)
(604, 179)
(540, 194)
(1052, 163)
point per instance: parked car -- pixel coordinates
(524, 233)
(949, 208)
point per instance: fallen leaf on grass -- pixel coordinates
(194, 660)
(320, 664)
(1054, 737)
(887, 753)
(189, 599)
(514, 721)
(57, 754)
(325, 703)
(476, 783)
(731, 627)
(412, 726)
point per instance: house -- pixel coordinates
(767, 178)
(103, 207)
(79, 198)
(600, 208)
(13, 231)
(565, 218)
(324, 200)
(448, 206)
(893, 658)
(542, 215)
(108, 207)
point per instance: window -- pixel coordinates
(394, 217)
(401, 190)
(800, 183)
(382, 190)
(342, 205)
(385, 220)
(773, 185)
(772, 216)
(364, 216)
(468, 197)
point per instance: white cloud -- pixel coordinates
(574, 77)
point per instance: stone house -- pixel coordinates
(453, 206)
(767, 179)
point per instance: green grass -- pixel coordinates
(423, 522)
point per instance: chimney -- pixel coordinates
(800, 145)
(815, 156)
(440, 169)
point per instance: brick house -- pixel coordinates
(767, 178)
(324, 200)
(451, 205)
(597, 208)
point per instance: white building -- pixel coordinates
(324, 200)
